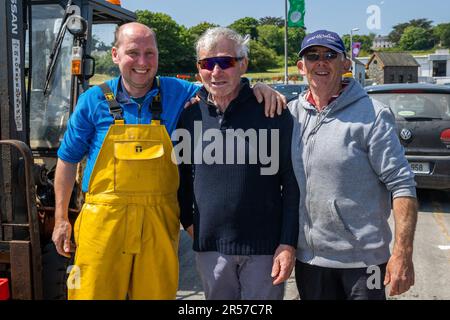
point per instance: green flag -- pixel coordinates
(296, 15)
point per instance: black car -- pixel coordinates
(290, 91)
(422, 113)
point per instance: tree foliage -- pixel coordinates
(261, 58)
(398, 30)
(246, 26)
(416, 38)
(442, 34)
(295, 38)
(271, 36)
(272, 21)
(105, 65)
(365, 40)
(175, 47)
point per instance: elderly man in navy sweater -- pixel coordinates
(238, 194)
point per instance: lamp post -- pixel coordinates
(351, 42)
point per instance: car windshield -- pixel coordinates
(416, 105)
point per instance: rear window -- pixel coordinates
(416, 105)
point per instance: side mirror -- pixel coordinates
(88, 67)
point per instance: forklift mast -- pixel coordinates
(45, 64)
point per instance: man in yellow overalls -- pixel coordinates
(127, 232)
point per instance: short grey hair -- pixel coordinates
(211, 37)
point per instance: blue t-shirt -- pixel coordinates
(88, 125)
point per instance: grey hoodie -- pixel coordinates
(348, 162)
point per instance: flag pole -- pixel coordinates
(285, 43)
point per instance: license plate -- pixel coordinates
(420, 167)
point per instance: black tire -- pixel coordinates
(54, 273)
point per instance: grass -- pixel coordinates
(274, 74)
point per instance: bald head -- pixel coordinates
(132, 28)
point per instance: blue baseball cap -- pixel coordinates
(322, 38)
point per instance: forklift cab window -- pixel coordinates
(49, 113)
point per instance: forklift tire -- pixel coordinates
(54, 270)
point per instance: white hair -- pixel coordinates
(211, 37)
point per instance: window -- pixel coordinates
(439, 68)
(434, 105)
(400, 78)
(392, 78)
(410, 77)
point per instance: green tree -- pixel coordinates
(246, 26)
(197, 30)
(295, 38)
(365, 40)
(272, 21)
(105, 65)
(416, 38)
(260, 57)
(442, 34)
(176, 52)
(397, 30)
(272, 37)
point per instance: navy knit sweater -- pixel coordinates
(234, 208)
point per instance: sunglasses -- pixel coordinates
(223, 62)
(315, 56)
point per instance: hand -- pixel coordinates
(61, 237)
(399, 274)
(273, 100)
(283, 263)
(191, 102)
(190, 231)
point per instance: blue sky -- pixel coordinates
(339, 16)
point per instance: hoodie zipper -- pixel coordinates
(310, 147)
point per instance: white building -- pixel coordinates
(434, 68)
(382, 42)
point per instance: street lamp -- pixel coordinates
(351, 42)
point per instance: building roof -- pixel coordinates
(382, 38)
(395, 59)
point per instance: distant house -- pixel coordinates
(392, 67)
(382, 42)
(359, 71)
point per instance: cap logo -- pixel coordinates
(322, 36)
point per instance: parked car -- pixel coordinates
(422, 113)
(291, 91)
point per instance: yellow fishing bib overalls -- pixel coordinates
(127, 232)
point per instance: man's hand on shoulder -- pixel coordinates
(273, 100)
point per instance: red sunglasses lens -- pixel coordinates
(223, 62)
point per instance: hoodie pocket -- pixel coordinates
(340, 207)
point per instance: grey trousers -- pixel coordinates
(229, 277)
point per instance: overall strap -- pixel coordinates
(156, 105)
(114, 107)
